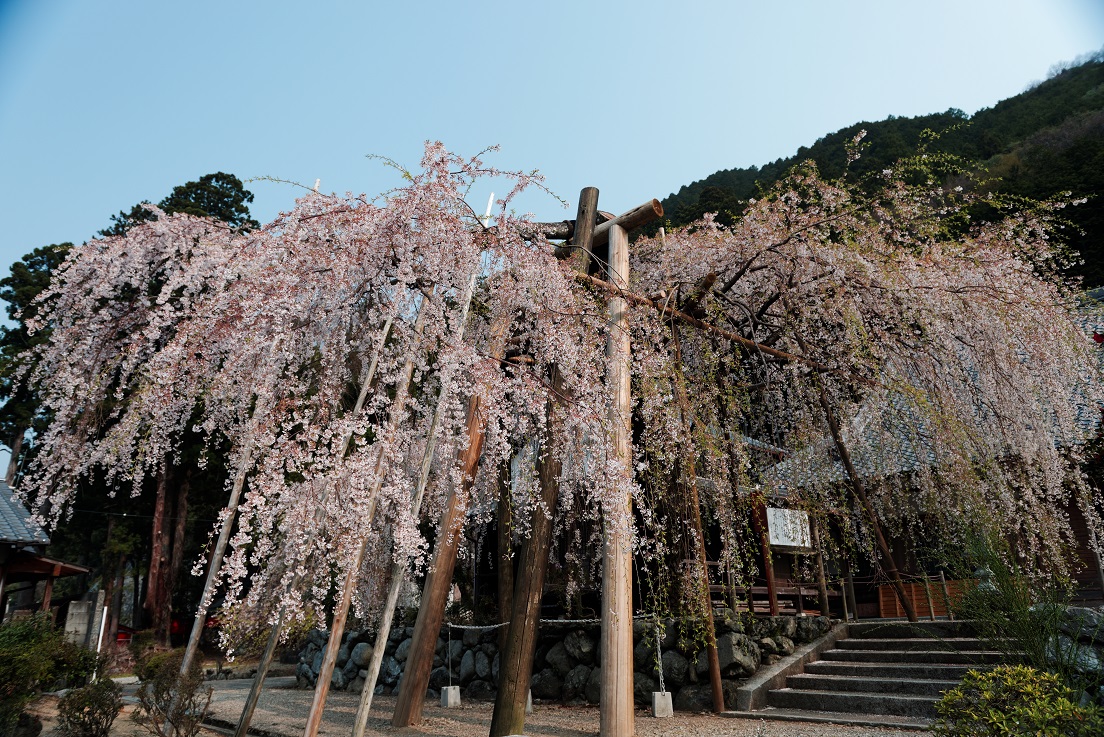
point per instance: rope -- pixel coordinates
(483, 627)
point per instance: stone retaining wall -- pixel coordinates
(567, 663)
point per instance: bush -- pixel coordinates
(34, 655)
(90, 711)
(1015, 700)
(171, 705)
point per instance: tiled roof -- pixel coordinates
(16, 525)
(890, 438)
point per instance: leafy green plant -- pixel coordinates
(172, 705)
(1023, 618)
(34, 655)
(90, 711)
(1015, 700)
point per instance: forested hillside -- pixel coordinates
(1047, 140)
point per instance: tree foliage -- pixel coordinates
(883, 306)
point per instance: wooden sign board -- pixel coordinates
(789, 529)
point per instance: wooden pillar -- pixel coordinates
(849, 589)
(431, 613)
(759, 527)
(616, 715)
(49, 592)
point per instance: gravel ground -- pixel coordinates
(283, 711)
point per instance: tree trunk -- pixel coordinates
(13, 462)
(156, 584)
(689, 486)
(176, 557)
(516, 661)
(858, 489)
(505, 530)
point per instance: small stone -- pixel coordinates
(467, 667)
(482, 665)
(361, 655)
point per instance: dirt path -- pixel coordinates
(282, 711)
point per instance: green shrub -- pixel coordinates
(34, 655)
(90, 711)
(154, 661)
(171, 705)
(1015, 700)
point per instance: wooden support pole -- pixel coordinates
(431, 613)
(946, 595)
(759, 527)
(616, 701)
(398, 568)
(341, 611)
(583, 237)
(850, 587)
(48, 594)
(269, 652)
(927, 593)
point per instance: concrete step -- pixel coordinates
(906, 686)
(948, 644)
(933, 671)
(830, 717)
(862, 703)
(901, 629)
(967, 657)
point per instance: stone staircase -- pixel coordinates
(887, 673)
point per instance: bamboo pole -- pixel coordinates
(412, 688)
(927, 593)
(269, 653)
(616, 707)
(398, 568)
(341, 612)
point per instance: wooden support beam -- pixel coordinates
(616, 701)
(431, 613)
(634, 218)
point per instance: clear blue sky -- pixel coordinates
(103, 104)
